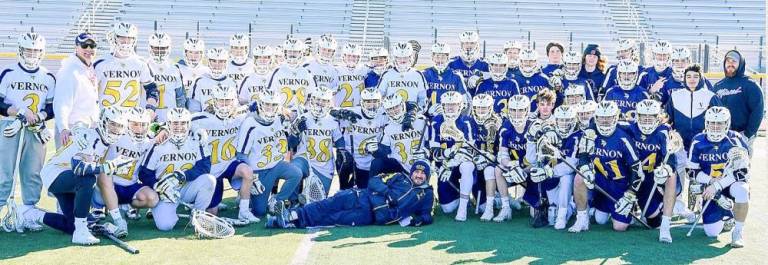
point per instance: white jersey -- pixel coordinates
(324, 74)
(317, 143)
(221, 138)
(127, 147)
(292, 82)
(251, 86)
(265, 145)
(122, 80)
(201, 91)
(168, 79)
(403, 143)
(365, 130)
(410, 85)
(351, 82)
(238, 72)
(190, 74)
(94, 150)
(167, 157)
(26, 89)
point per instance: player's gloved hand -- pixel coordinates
(624, 204)
(121, 165)
(168, 188)
(711, 190)
(43, 135)
(13, 128)
(696, 188)
(724, 202)
(257, 187)
(533, 131)
(739, 169)
(83, 165)
(588, 175)
(661, 174)
(460, 155)
(444, 173)
(408, 120)
(515, 174)
(405, 221)
(435, 109)
(372, 146)
(345, 114)
(299, 125)
(539, 174)
(411, 107)
(481, 161)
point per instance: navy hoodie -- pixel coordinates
(743, 97)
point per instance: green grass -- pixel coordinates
(444, 242)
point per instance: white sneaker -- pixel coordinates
(504, 214)
(582, 224)
(664, 235)
(247, 216)
(736, 240)
(461, 213)
(562, 218)
(84, 237)
(488, 212)
(32, 219)
(515, 203)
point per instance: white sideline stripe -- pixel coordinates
(302, 252)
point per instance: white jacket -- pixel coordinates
(76, 98)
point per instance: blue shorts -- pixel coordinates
(534, 191)
(218, 192)
(125, 194)
(604, 204)
(714, 213)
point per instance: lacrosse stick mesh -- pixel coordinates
(208, 225)
(313, 189)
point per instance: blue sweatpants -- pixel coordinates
(74, 195)
(347, 207)
(269, 177)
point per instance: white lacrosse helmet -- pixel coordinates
(217, 61)
(528, 62)
(394, 105)
(179, 123)
(31, 50)
(262, 58)
(512, 50)
(279, 57)
(648, 111)
(123, 38)
(112, 124)
(453, 103)
(625, 49)
(193, 51)
(627, 74)
(574, 94)
(321, 102)
(294, 52)
(238, 48)
(518, 107)
(717, 122)
(326, 48)
(482, 107)
(441, 53)
(586, 111)
(402, 56)
(138, 123)
(606, 117)
(497, 64)
(565, 120)
(159, 47)
(370, 102)
(351, 54)
(661, 52)
(469, 45)
(680, 58)
(379, 60)
(224, 101)
(269, 105)
(572, 65)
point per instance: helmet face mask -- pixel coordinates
(585, 112)
(717, 122)
(482, 107)
(606, 117)
(571, 65)
(179, 124)
(351, 54)
(351, 60)
(627, 80)
(123, 37)
(402, 55)
(518, 107)
(159, 54)
(293, 58)
(269, 105)
(394, 107)
(528, 62)
(321, 102)
(217, 67)
(112, 124)
(453, 103)
(124, 45)
(138, 123)
(262, 59)
(239, 54)
(440, 61)
(469, 45)
(31, 58)
(512, 51)
(370, 102)
(661, 61)
(193, 58)
(498, 66)
(565, 121)
(647, 123)
(325, 55)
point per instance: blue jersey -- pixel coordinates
(530, 86)
(594, 78)
(671, 84)
(464, 124)
(626, 99)
(610, 77)
(465, 71)
(588, 95)
(652, 148)
(372, 79)
(711, 157)
(649, 76)
(513, 72)
(439, 83)
(547, 70)
(501, 91)
(487, 139)
(614, 157)
(514, 141)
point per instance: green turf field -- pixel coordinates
(444, 242)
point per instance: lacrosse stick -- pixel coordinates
(12, 220)
(102, 230)
(734, 154)
(313, 189)
(448, 130)
(208, 225)
(558, 155)
(352, 154)
(674, 144)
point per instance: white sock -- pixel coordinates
(489, 202)
(582, 214)
(463, 202)
(739, 226)
(505, 202)
(245, 204)
(115, 214)
(665, 220)
(81, 224)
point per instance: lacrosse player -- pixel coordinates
(258, 81)
(70, 175)
(170, 89)
(26, 100)
(469, 64)
(179, 170)
(201, 99)
(488, 124)
(402, 139)
(568, 135)
(722, 179)
(239, 66)
(221, 127)
(440, 79)
(651, 141)
(626, 50)
(450, 135)
(124, 187)
(613, 167)
(321, 66)
(401, 198)
(192, 67)
(262, 142)
(364, 134)
(680, 60)
(531, 80)
(498, 86)
(627, 93)
(379, 64)
(512, 50)
(512, 150)
(292, 80)
(573, 81)
(122, 74)
(351, 76)
(404, 80)
(316, 133)
(585, 111)
(652, 79)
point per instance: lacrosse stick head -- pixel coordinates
(11, 221)
(449, 130)
(737, 155)
(546, 148)
(674, 142)
(208, 225)
(313, 188)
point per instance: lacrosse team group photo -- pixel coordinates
(383, 132)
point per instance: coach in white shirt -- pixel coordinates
(76, 97)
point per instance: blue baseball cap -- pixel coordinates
(84, 38)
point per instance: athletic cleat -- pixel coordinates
(149, 215)
(130, 212)
(736, 240)
(562, 218)
(119, 229)
(84, 237)
(515, 204)
(664, 235)
(581, 224)
(504, 214)
(223, 207)
(247, 216)
(32, 219)
(488, 213)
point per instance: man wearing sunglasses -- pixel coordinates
(75, 100)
